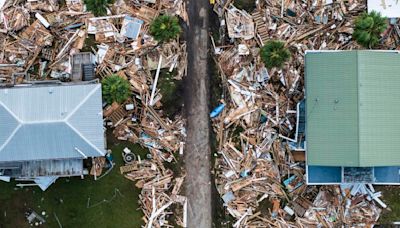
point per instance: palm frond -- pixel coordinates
(115, 89)
(368, 29)
(165, 28)
(98, 7)
(274, 54)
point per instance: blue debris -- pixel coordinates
(292, 183)
(74, 26)
(263, 119)
(147, 140)
(245, 173)
(217, 110)
(110, 157)
(131, 27)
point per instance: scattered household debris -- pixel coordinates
(240, 23)
(260, 124)
(44, 41)
(47, 40)
(97, 166)
(160, 189)
(160, 186)
(34, 219)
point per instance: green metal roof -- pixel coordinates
(353, 108)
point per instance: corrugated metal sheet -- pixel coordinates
(331, 109)
(45, 103)
(379, 108)
(131, 27)
(56, 122)
(7, 125)
(92, 114)
(352, 108)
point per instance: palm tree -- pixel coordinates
(274, 54)
(368, 29)
(165, 28)
(98, 7)
(115, 89)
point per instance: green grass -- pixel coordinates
(390, 195)
(248, 5)
(68, 199)
(172, 93)
(90, 42)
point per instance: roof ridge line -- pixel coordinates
(11, 112)
(358, 106)
(11, 136)
(42, 121)
(82, 102)
(84, 138)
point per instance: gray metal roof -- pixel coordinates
(51, 122)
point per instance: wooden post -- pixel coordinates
(155, 81)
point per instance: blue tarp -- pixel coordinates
(217, 110)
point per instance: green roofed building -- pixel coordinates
(352, 116)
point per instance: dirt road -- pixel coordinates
(197, 152)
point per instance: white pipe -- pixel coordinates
(155, 81)
(61, 53)
(108, 17)
(42, 20)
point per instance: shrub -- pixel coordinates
(115, 89)
(274, 54)
(165, 28)
(98, 7)
(368, 28)
(248, 5)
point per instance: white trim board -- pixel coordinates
(387, 8)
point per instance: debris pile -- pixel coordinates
(44, 41)
(259, 125)
(141, 118)
(160, 185)
(160, 189)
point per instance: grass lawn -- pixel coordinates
(391, 196)
(68, 198)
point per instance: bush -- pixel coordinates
(274, 54)
(165, 28)
(98, 7)
(368, 29)
(115, 89)
(248, 5)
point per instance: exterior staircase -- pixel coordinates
(262, 30)
(118, 115)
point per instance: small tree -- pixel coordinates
(115, 89)
(98, 7)
(368, 29)
(274, 54)
(165, 28)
